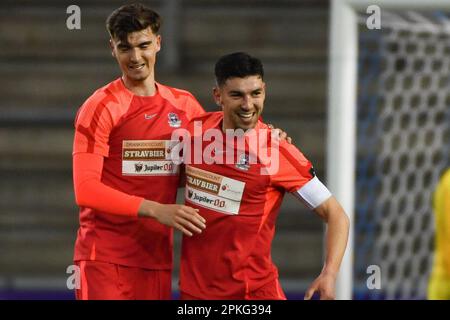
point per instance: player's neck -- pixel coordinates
(226, 127)
(146, 87)
(230, 128)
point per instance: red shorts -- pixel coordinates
(269, 291)
(107, 281)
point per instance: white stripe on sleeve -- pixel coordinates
(313, 193)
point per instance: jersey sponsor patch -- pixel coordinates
(213, 191)
(147, 158)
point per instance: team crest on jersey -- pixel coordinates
(243, 162)
(174, 121)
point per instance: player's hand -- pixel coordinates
(180, 217)
(183, 218)
(325, 285)
(281, 134)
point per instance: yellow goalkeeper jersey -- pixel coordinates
(439, 284)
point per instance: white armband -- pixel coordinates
(313, 193)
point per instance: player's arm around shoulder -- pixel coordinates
(338, 225)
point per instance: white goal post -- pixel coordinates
(342, 103)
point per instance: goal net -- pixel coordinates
(402, 148)
(388, 139)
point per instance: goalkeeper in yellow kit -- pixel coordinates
(439, 285)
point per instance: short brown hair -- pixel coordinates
(130, 18)
(237, 65)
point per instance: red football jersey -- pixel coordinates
(132, 133)
(232, 256)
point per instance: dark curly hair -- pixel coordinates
(130, 18)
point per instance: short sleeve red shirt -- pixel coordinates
(232, 256)
(132, 133)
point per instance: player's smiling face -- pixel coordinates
(137, 55)
(242, 101)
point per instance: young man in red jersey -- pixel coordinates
(240, 199)
(124, 181)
